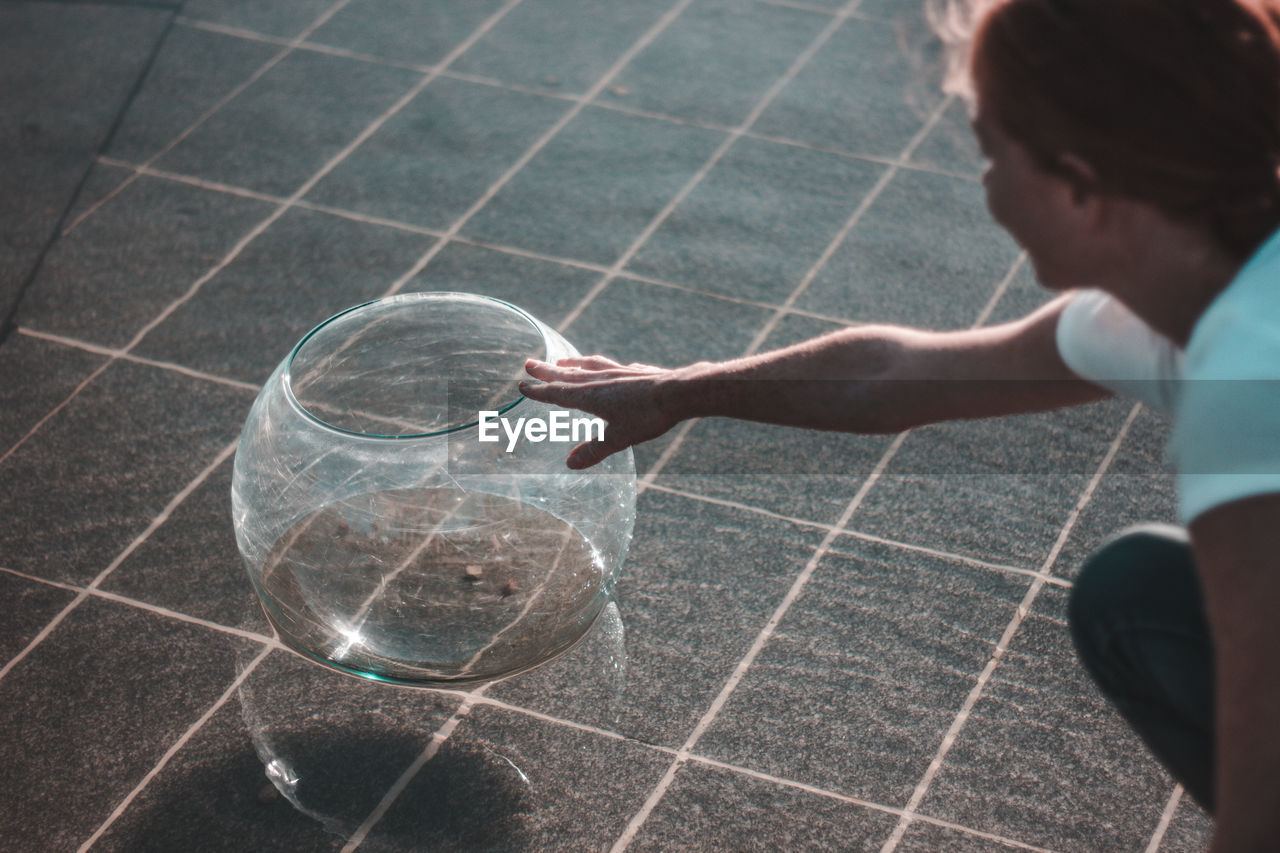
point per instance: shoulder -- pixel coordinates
(1103, 341)
(1226, 439)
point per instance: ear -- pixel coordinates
(1081, 176)
(1090, 203)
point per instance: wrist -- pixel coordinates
(680, 394)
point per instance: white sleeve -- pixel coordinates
(1101, 340)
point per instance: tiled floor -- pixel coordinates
(833, 642)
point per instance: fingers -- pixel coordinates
(549, 392)
(590, 362)
(591, 452)
(558, 372)
(571, 368)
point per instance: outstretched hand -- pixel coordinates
(627, 396)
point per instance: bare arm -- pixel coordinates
(1237, 550)
(867, 379)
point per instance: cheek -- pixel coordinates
(998, 200)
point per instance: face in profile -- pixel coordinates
(1040, 209)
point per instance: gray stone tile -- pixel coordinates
(98, 472)
(924, 837)
(698, 585)
(103, 180)
(888, 10)
(193, 70)
(120, 267)
(28, 607)
(131, 683)
(827, 5)
(506, 781)
(53, 123)
(1138, 487)
(635, 321)
(803, 474)
(595, 187)
(708, 808)
(1043, 759)
(862, 93)
(346, 740)
(286, 18)
(997, 490)
(951, 145)
(287, 125)
(214, 783)
(866, 671)
(697, 68)
(191, 565)
(1190, 831)
(302, 270)
(437, 156)
(565, 45)
(38, 376)
(1022, 296)
(926, 253)
(547, 290)
(758, 222)
(404, 30)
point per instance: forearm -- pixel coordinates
(841, 381)
(877, 379)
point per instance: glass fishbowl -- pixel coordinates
(406, 515)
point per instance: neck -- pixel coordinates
(1169, 274)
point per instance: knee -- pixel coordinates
(1117, 580)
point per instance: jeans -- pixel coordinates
(1138, 620)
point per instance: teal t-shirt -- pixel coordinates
(1226, 434)
(1223, 391)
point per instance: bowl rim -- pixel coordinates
(420, 296)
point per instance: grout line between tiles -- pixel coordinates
(1023, 609)
(820, 10)
(739, 672)
(137, 359)
(184, 617)
(192, 180)
(492, 82)
(670, 15)
(586, 99)
(814, 46)
(990, 307)
(271, 643)
(537, 146)
(855, 801)
(222, 102)
(669, 452)
(123, 353)
(792, 783)
(437, 740)
(856, 534)
(1166, 817)
(173, 749)
(708, 717)
(572, 724)
(142, 605)
(691, 495)
(849, 224)
(516, 251)
(285, 205)
(84, 383)
(142, 537)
